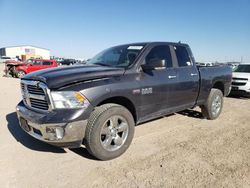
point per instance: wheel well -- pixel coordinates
(220, 86)
(123, 102)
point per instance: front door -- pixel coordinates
(155, 84)
(36, 65)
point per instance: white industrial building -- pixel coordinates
(25, 52)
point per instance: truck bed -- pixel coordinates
(210, 75)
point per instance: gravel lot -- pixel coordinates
(181, 150)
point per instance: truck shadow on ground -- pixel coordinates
(191, 113)
(235, 96)
(83, 152)
(34, 144)
(27, 140)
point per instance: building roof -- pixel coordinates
(25, 46)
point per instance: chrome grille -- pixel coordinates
(35, 95)
(235, 78)
(238, 83)
(35, 90)
(22, 86)
(40, 104)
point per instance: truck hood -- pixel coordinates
(15, 63)
(241, 75)
(55, 78)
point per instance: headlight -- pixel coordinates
(69, 99)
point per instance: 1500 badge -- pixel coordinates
(143, 91)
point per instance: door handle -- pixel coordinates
(193, 74)
(171, 77)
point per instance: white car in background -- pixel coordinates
(4, 58)
(241, 80)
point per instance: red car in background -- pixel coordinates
(19, 69)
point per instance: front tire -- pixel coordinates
(213, 106)
(20, 74)
(109, 131)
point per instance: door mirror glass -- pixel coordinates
(154, 64)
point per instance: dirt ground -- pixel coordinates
(181, 150)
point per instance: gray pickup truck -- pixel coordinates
(99, 104)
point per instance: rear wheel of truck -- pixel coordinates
(20, 74)
(109, 131)
(213, 106)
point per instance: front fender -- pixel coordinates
(96, 95)
(20, 68)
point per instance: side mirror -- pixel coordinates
(154, 64)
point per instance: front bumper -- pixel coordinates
(67, 131)
(241, 90)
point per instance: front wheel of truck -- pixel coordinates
(109, 131)
(213, 106)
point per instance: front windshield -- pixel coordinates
(242, 68)
(120, 56)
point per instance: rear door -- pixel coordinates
(46, 64)
(186, 90)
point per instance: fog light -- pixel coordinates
(55, 133)
(59, 133)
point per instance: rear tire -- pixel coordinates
(109, 131)
(214, 104)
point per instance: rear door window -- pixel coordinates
(47, 63)
(182, 56)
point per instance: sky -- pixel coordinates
(216, 30)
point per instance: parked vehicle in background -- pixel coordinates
(205, 64)
(10, 67)
(68, 62)
(19, 69)
(80, 62)
(3, 59)
(233, 65)
(98, 104)
(241, 80)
